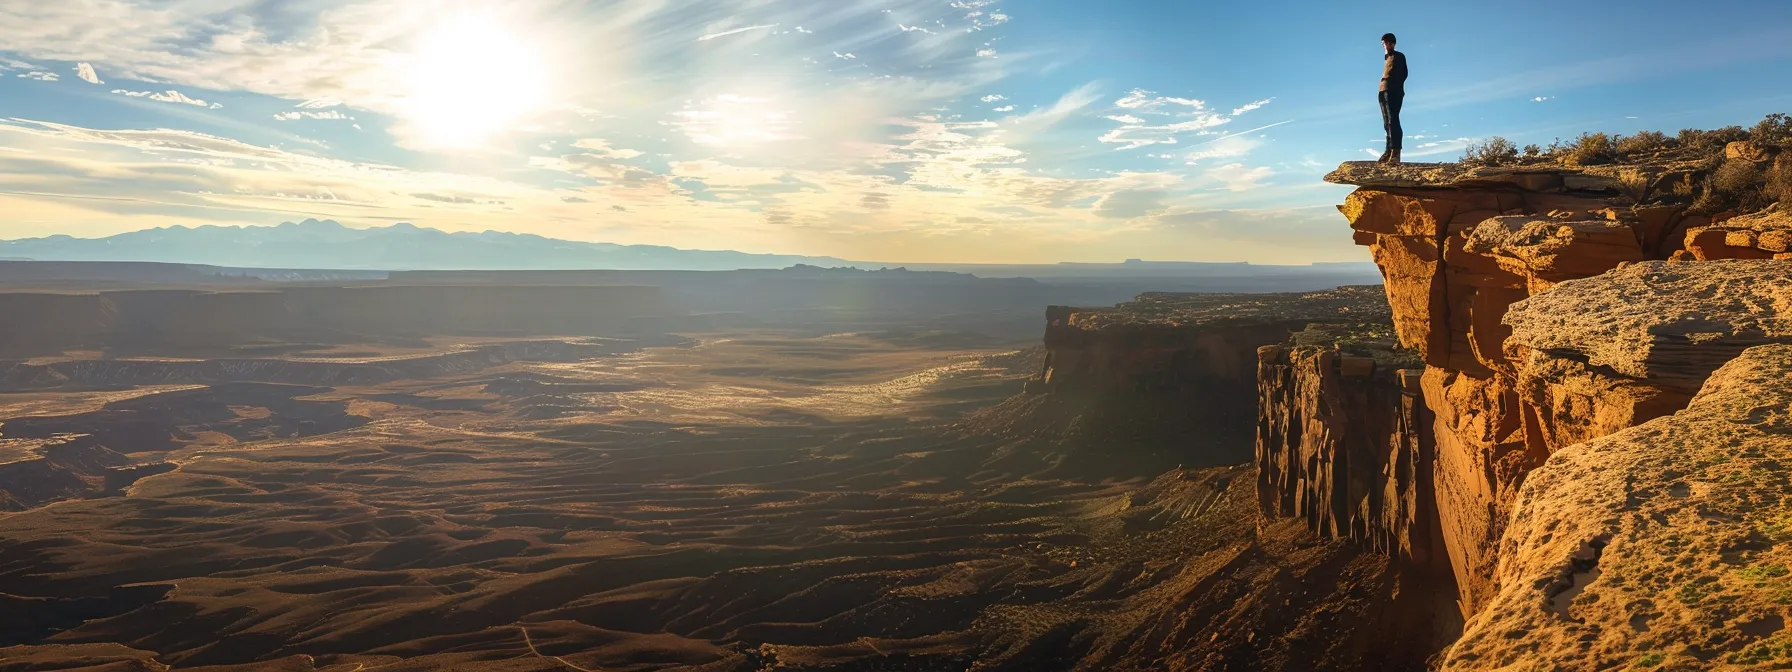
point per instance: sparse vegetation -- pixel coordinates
(1645, 142)
(1775, 130)
(1497, 151)
(1651, 659)
(1590, 149)
(1700, 175)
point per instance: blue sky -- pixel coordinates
(925, 130)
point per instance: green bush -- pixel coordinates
(1589, 149)
(1643, 143)
(1737, 178)
(1532, 151)
(1776, 129)
(1779, 181)
(1495, 152)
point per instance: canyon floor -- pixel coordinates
(722, 501)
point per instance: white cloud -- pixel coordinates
(1072, 102)
(913, 29)
(1247, 107)
(1004, 108)
(40, 76)
(307, 114)
(1540, 99)
(318, 104)
(1237, 177)
(986, 53)
(169, 96)
(87, 74)
(1224, 148)
(994, 97)
(601, 148)
(1147, 102)
(845, 57)
(803, 30)
(736, 31)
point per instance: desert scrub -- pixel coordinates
(1714, 139)
(1590, 149)
(1774, 130)
(1762, 573)
(1695, 592)
(1764, 651)
(1644, 142)
(1497, 151)
(1650, 659)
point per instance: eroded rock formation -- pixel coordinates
(1177, 373)
(1667, 542)
(1575, 419)
(1344, 442)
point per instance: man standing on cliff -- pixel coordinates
(1393, 93)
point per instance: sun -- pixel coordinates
(472, 78)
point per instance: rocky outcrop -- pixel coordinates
(1344, 443)
(1458, 247)
(1663, 544)
(1569, 365)
(1763, 235)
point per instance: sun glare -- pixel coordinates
(474, 78)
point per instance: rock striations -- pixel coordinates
(1593, 447)
(1175, 375)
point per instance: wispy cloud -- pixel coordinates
(169, 96)
(1247, 107)
(40, 75)
(993, 98)
(1166, 120)
(736, 31)
(1540, 99)
(1238, 177)
(328, 115)
(87, 74)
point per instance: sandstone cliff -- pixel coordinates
(1567, 408)
(1663, 544)
(1174, 376)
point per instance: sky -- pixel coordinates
(1030, 131)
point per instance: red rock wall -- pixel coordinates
(1455, 259)
(1348, 449)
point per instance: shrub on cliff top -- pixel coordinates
(1588, 150)
(1644, 142)
(1495, 152)
(1776, 129)
(1714, 139)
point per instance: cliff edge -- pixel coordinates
(1593, 448)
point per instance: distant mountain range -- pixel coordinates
(327, 244)
(314, 244)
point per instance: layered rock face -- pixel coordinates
(1458, 247)
(1344, 443)
(1181, 369)
(1665, 544)
(1598, 490)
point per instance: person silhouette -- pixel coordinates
(1393, 94)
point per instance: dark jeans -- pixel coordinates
(1390, 116)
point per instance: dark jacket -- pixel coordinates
(1393, 73)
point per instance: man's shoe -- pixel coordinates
(1393, 157)
(1384, 156)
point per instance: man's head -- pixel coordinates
(1388, 41)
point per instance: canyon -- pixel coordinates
(1555, 437)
